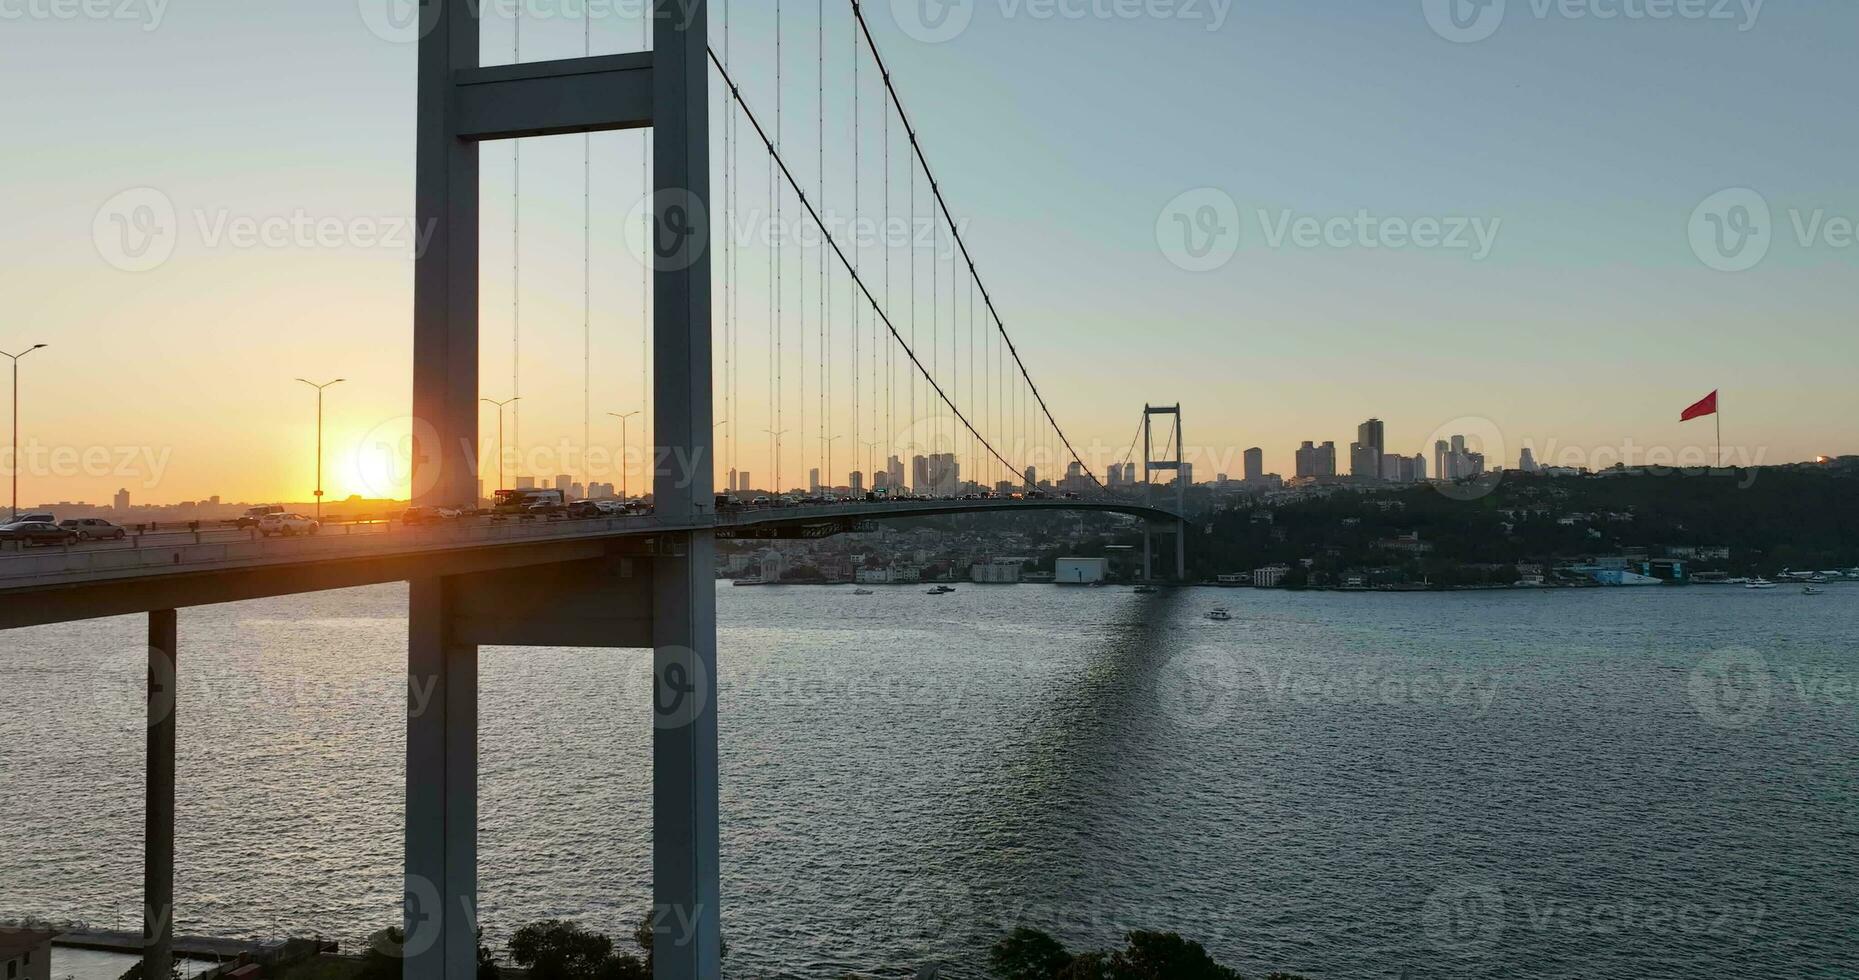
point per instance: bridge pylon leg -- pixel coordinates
(686, 874)
(158, 811)
(1148, 552)
(442, 792)
(1181, 552)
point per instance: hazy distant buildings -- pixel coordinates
(1526, 461)
(1315, 462)
(1455, 461)
(122, 501)
(919, 474)
(894, 472)
(1403, 469)
(857, 481)
(1255, 464)
(1366, 452)
(813, 480)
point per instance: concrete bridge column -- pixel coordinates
(158, 810)
(1148, 551)
(1181, 551)
(442, 791)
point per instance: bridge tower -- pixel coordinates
(1151, 464)
(660, 597)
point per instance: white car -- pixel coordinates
(94, 529)
(287, 525)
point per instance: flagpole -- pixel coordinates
(1719, 415)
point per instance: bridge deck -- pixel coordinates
(167, 571)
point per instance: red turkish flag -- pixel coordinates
(1705, 406)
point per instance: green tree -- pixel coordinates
(1165, 956)
(557, 950)
(1028, 954)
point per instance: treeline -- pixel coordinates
(558, 950)
(1769, 519)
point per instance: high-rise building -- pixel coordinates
(1441, 449)
(1255, 464)
(1364, 461)
(813, 480)
(857, 481)
(564, 482)
(1315, 461)
(1372, 437)
(919, 473)
(122, 501)
(895, 468)
(1032, 476)
(526, 483)
(944, 474)
(1526, 461)
(742, 482)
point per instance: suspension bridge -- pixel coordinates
(806, 276)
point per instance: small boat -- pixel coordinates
(1219, 614)
(939, 590)
(863, 592)
(1819, 578)
(1144, 590)
(1759, 583)
(1810, 590)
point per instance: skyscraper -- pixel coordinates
(919, 473)
(1315, 461)
(1441, 449)
(1255, 464)
(1526, 461)
(122, 501)
(1371, 437)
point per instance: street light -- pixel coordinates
(319, 440)
(776, 462)
(500, 453)
(623, 430)
(15, 358)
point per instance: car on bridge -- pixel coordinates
(94, 529)
(253, 516)
(29, 533)
(415, 516)
(287, 525)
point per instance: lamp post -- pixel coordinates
(15, 358)
(319, 440)
(623, 460)
(775, 464)
(500, 407)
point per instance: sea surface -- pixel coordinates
(1597, 783)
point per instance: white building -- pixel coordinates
(1269, 577)
(998, 571)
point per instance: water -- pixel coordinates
(1634, 783)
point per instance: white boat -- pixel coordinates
(939, 590)
(1759, 583)
(1810, 590)
(862, 592)
(1219, 614)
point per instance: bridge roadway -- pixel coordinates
(180, 570)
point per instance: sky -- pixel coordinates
(1544, 225)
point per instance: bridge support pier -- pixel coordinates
(442, 789)
(158, 810)
(1148, 552)
(1181, 552)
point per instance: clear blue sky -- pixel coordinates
(1586, 142)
